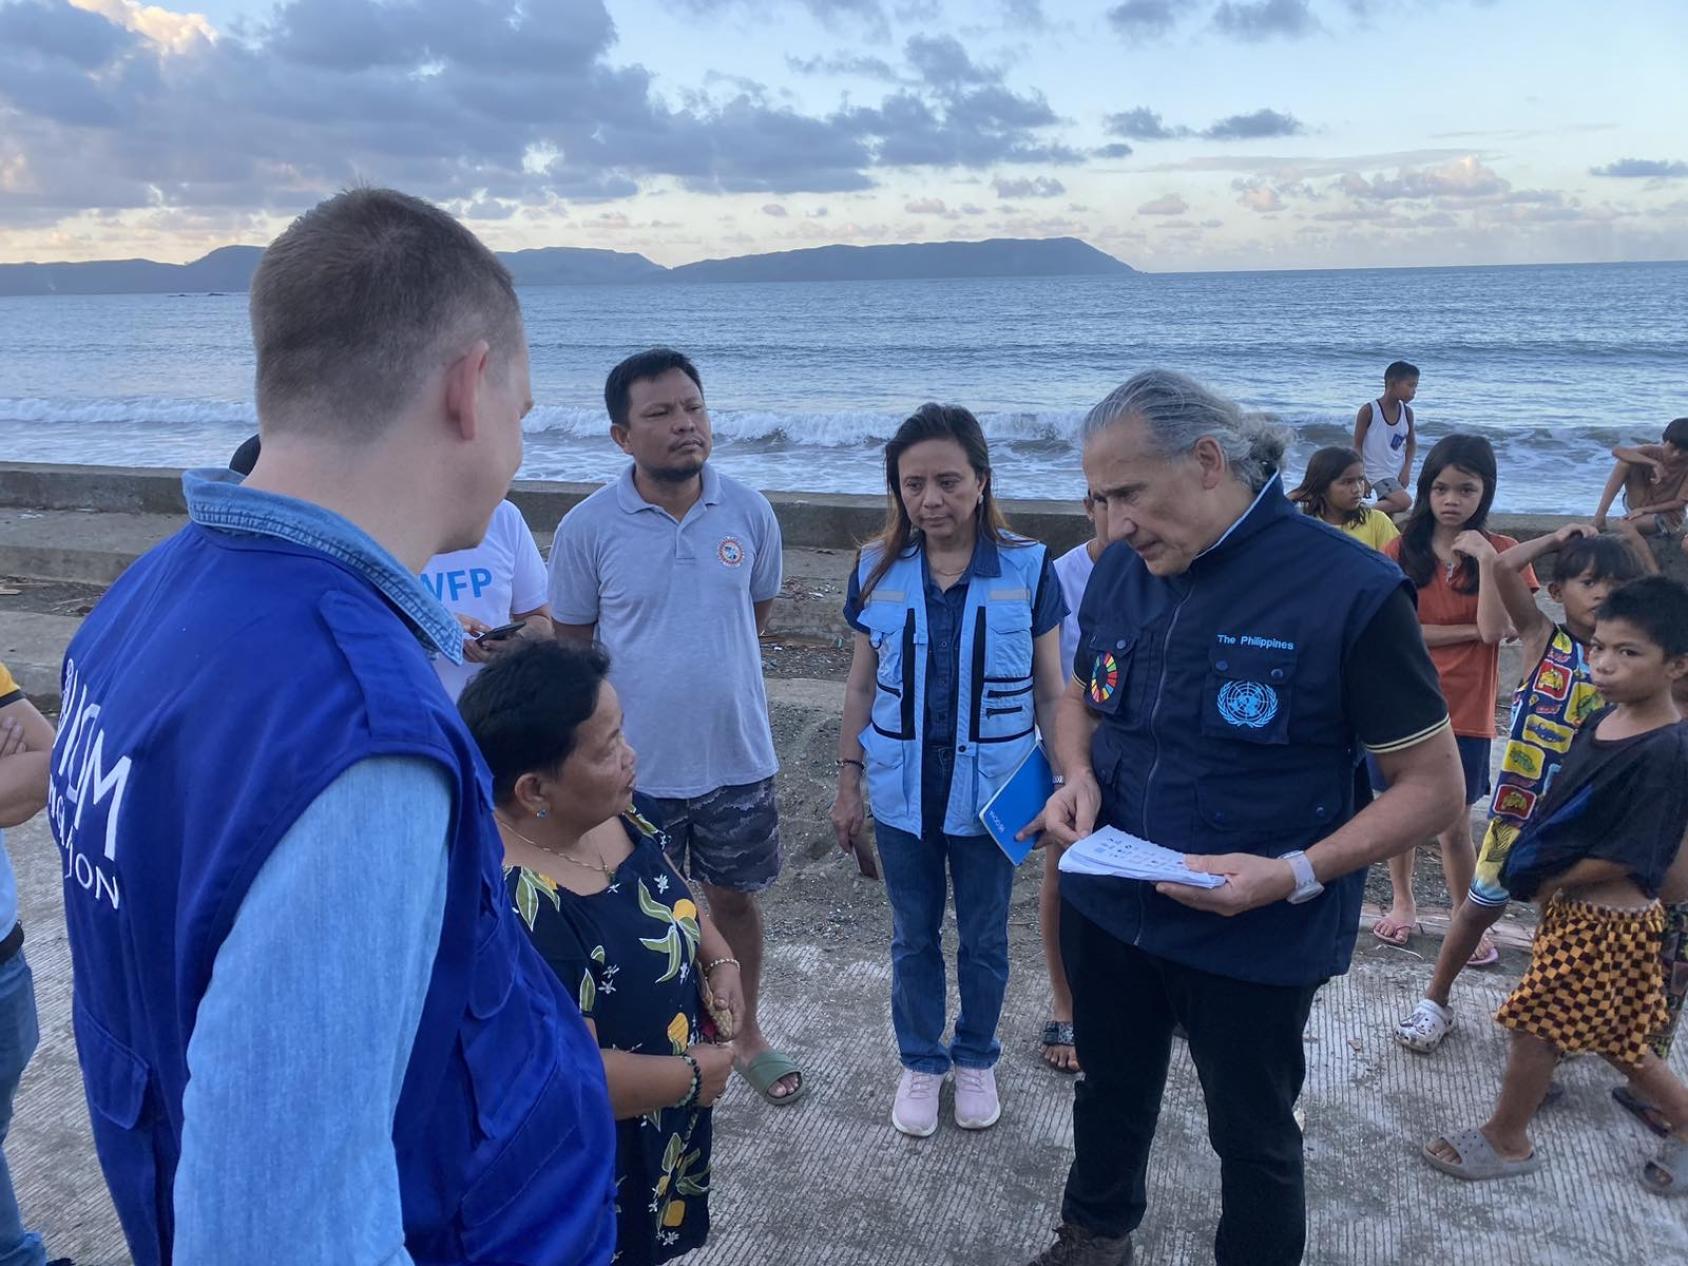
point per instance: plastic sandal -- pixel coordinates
(1641, 1110)
(1423, 1030)
(769, 1067)
(1481, 957)
(1670, 1166)
(1400, 934)
(1478, 1161)
(1059, 1033)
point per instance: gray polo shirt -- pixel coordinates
(672, 602)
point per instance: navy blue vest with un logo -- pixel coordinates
(995, 717)
(215, 691)
(1218, 697)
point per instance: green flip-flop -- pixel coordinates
(765, 1071)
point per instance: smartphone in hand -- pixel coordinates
(502, 632)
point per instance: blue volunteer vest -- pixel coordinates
(995, 721)
(216, 690)
(1218, 698)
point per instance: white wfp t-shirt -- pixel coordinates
(1073, 570)
(500, 576)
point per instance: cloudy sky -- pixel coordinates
(1175, 134)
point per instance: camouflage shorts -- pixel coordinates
(727, 838)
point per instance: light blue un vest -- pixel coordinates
(995, 721)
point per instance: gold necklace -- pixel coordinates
(607, 871)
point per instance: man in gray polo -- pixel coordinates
(672, 569)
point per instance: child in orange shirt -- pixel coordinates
(1446, 551)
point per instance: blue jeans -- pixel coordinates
(19, 1034)
(915, 882)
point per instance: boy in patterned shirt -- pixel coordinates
(1553, 699)
(1604, 841)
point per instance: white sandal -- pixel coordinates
(1424, 1029)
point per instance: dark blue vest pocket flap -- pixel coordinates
(1293, 809)
(550, 1126)
(115, 1077)
(1248, 694)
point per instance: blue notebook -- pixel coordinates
(1017, 802)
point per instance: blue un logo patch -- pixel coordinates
(1249, 705)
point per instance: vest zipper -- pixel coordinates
(1154, 715)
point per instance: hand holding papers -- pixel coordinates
(1112, 852)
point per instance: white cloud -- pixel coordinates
(1465, 177)
(172, 31)
(1168, 204)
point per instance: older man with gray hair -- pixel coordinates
(1235, 658)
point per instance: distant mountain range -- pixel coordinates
(230, 268)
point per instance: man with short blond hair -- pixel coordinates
(310, 1028)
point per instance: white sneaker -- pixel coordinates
(1424, 1029)
(916, 1109)
(976, 1104)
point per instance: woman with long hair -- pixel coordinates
(1447, 550)
(956, 665)
(1334, 491)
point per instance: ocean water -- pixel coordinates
(806, 381)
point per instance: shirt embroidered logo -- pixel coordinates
(1104, 677)
(730, 552)
(1247, 704)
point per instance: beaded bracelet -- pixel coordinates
(697, 1083)
(719, 962)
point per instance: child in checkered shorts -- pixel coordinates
(1606, 839)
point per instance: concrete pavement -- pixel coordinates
(828, 1183)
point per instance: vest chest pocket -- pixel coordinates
(1108, 653)
(1248, 694)
(1004, 706)
(896, 641)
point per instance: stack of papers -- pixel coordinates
(1112, 852)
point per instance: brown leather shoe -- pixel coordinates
(1074, 1246)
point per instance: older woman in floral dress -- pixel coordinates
(586, 871)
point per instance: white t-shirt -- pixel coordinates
(1073, 570)
(500, 576)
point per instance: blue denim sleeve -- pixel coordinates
(853, 603)
(1050, 606)
(302, 1039)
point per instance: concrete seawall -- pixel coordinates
(809, 520)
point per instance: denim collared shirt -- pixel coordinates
(301, 1043)
(217, 499)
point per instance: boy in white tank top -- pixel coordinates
(1386, 441)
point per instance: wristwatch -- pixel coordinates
(1307, 885)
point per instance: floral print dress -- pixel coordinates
(630, 953)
